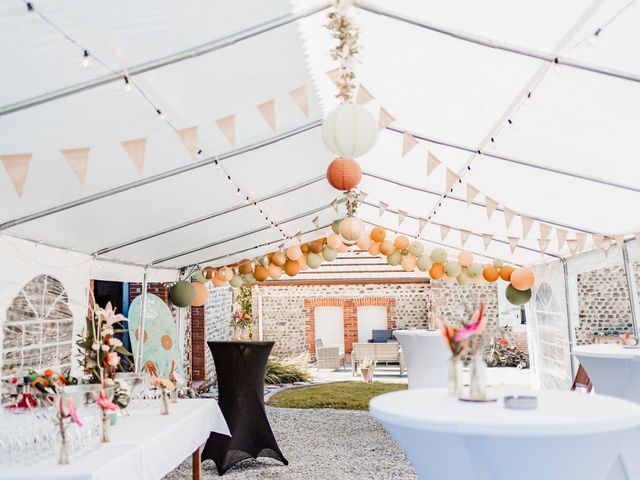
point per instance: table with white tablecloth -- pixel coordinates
(426, 357)
(569, 435)
(144, 446)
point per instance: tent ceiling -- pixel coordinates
(440, 86)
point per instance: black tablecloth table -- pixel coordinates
(241, 367)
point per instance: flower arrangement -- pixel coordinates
(243, 311)
(166, 386)
(64, 416)
(463, 338)
(346, 34)
(106, 406)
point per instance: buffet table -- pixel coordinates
(569, 435)
(426, 357)
(144, 445)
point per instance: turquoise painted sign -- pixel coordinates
(160, 342)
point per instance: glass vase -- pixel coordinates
(478, 381)
(455, 376)
(63, 449)
(164, 402)
(106, 425)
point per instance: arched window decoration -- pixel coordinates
(552, 328)
(38, 332)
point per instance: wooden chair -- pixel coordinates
(582, 382)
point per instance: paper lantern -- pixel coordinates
(260, 273)
(351, 229)
(349, 130)
(374, 249)
(278, 258)
(517, 297)
(248, 278)
(236, 281)
(416, 248)
(302, 261)
(316, 246)
(344, 173)
(401, 242)
(208, 272)
(245, 266)
(291, 268)
(226, 273)
(329, 253)
(505, 272)
(386, 247)
(438, 255)
(199, 276)
(424, 263)
(474, 270)
(436, 271)
(394, 258)
(465, 258)
(335, 226)
(314, 260)
(452, 269)
(463, 278)
(497, 263)
(334, 241)
(305, 248)
(294, 252)
(378, 234)
(408, 263)
(522, 278)
(275, 271)
(490, 273)
(182, 294)
(202, 293)
(364, 242)
(343, 248)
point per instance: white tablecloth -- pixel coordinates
(144, 446)
(569, 435)
(426, 357)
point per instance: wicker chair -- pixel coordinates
(329, 357)
(378, 352)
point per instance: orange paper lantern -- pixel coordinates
(437, 271)
(401, 242)
(490, 273)
(291, 268)
(260, 273)
(344, 173)
(505, 272)
(522, 278)
(386, 247)
(378, 234)
(202, 293)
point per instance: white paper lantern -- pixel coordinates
(349, 130)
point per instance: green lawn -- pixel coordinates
(341, 395)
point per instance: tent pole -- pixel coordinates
(571, 331)
(632, 286)
(143, 305)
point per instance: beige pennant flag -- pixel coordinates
(268, 112)
(472, 193)
(486, 239)
(545, 230)
(508, 216)
(384, 119)
(527, 223)
(17, 167)
(513, 243)
(432, 163)
(464, 236)
(422, 222)
(363, 195)
(78, 159)
(401, 216)
(597, 240)
(562, 237)
(619, 240)
(452, 178)
(544, 244)
(299, 96)
(382, 208)
(573, 246)
(606, 246)
(363, 96)
(334, 204)
(491, 205)
(444, 231)
(316, 222)
(299, 236)
(334, 74)
(189, 138)
(581, 240)
(637, 235)
(228, 126)
(135, 149)
(408, 143)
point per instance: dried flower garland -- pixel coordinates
(346, 33)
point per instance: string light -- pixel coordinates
(557, 65)
(592, 39)
(527, 100)
(160, 114)
(127, 85)
(85, 59)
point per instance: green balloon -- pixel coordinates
(314, 260)
(474, 270)
(463, 278)
(335, 226)
(248, 278)
(395, 258)
(497, 263)
(262, 260)
(424, 263)
(200, 277)
(329, 254)
(517, 297)
(182, 294)
(438, 255)
(452, 269)
(416, 248)
(236, 281)
(405, 252)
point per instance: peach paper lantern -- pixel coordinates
(386, 247)
(378, 234)
(408, 263)
(260, 273)
(465, 258)
(401, 242)
(334, 241)
(202, 293)
(374, 249)
(294, 252)
(351, 228)
(275, 271)
(279, 259)
(344, 173)
(364, 242)
(522, 278)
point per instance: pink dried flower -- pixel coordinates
(73, 413)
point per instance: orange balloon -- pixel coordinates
(386, 247)
(522, 278)
(344, 173)
(378, 234)
(437, 271)
(202, 293)
(334, 241)
(260, 273)
(304, 247)
(364, 242)
(275, 271)
(505, 272)
(226, 273)
(217, 281)
(401, 242)
(374, 249)
(279, 259)
(317, 245)
(302, 261)
(490, 273)
(246, 266)
(291, 268)
(208, 272)
(218, 276)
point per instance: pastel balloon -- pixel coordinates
(490, 273)
(316, 246)
(262, 260)
(294, 253)
(314, 260)
(208, 272)
(260, 273)
(291, 268)
(236, 281)
(374, 249)
(386, 247)
(474, 270)
(343, 248)
(424, 263)
(351, 229)
(448, 279)
(226, 273)
(218, 282)
(303, 262)
(200, 277)
(463, 278)
(246, 266)
(394, 258)
(334, 241)
(522, 278)
(436, 271)
(335, 226)
(438, 255)
(182, 294)
(408, 263)
(416, 248)
(330, 253)
(378, 234)
(364, 242)
(505, 272)
(517, 297)
(497, 263)
(401, 242)
(452, 269)
(465, 258)
(278, 258)
(304, 247)
(275, 271)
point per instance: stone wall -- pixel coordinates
(455, 302)
(217, 324)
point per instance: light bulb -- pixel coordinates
(557, 65)
(127, 85)
(85, 59)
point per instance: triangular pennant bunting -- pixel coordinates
(384, 119)
(562, 237)
(444, 231)
(472, 193)
(486, 239)
(363, 96)
(545, 231)
(316, 222)
(464, 236)
(619, 240)
(637, 236)
(334, 204)
(544, 244)
(382, 208)
(78, 159)
(597, 240)
(513, 243)
(300, 98)
(17, 167)
(135, 149)
(189, 138)
(452, 178)
(401, 216)
(408, 143)
(422, 222)
(299, 235)
(491, 205)
(527, 223)
(606, 246)
(362, 196)
(508, 216)
(581, 240)
(334, 74)
(228, 127)
(432, 163)
(268, 112)
(573, 246)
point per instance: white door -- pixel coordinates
(330, 326)
(370, 318)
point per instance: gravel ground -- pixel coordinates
(320, 445)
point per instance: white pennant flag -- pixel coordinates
(408, 143)
(573, 246)
(487, 238)
(606, 246)
(513, 243)
(472, 193)
(382, 208)
(619, 240)
(444, 231)
(452, 178)
(316, 222)
(597, 240)
(300, 98)
(545, 231)
(544, 244)
(422, 222)
(581, 240)
(228, 127)
(299, 236)
(527, 223)
(334, 204)
(78, 159)
(334, 74)
(268, 112)
(135, 149)
(401, 216)
(508, 216)
(363, 96)
(363, 195)
(491, 205)
(562, 237)
(464, 236)
(432, 163)
(637, 235)
(384, 119)
(17, 167)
